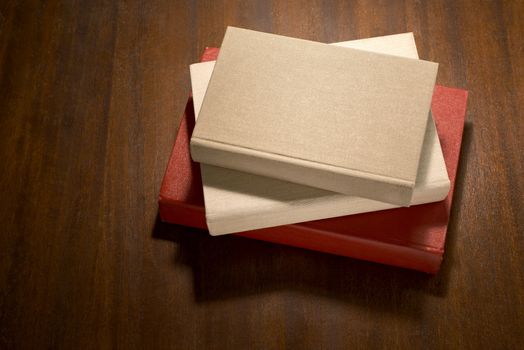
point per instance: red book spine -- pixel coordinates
(351, 246)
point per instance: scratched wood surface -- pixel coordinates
(90, 97)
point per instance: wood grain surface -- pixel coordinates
(91, 93)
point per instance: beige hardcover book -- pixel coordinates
(237, 201)
(341, 119)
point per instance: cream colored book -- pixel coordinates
(238, 201)
(340, 119)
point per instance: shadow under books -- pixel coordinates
(230, 266)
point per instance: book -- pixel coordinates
(411, 237)
(340, 119)
(238, 201)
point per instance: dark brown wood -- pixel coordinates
(90, 96)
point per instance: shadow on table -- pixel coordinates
(229, 266)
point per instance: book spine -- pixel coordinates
(181, 214)
(433, 192)
(331, 178)
(416, 258)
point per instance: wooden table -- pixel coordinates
(91, 94)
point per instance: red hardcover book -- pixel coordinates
(411, 237)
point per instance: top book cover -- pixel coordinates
(340, 119)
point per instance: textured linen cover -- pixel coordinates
(340, 119)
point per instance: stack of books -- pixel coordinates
(348, 148)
